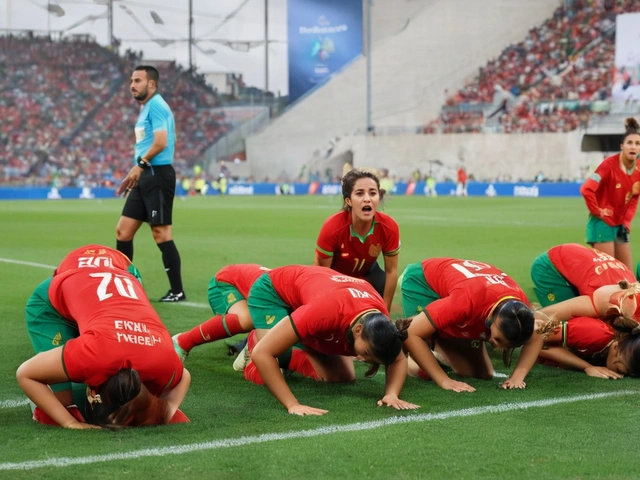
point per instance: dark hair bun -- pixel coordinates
(631, 125)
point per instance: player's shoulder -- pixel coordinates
(338, 220)
(386, 220)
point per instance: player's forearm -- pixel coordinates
(176, 395)
(43, 397)
(390, 288)
(528, 356)
(565, 358)
(423, 356)
(396, 373)
(271, 375)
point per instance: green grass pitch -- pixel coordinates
(564, 425)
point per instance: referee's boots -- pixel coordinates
(174, 297)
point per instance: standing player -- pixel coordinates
(334, 318)
(151, 183)
(93, 324)
(569, 270)
(351, 241)
(461, 187)
(228, 291)
(611, 195)
(459, 305)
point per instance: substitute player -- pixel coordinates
(611, 194)
(351, 241)
(334, 318)
(99, 328)
(456, 306)
(569, 270)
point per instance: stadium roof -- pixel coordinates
(229, 34)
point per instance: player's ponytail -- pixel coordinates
(631, 127)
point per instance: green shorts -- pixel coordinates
(550, 286)
(416, 292)
(600, 232)
(222, 296)
(265, 305)
(47, 329)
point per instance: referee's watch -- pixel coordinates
(143, 164)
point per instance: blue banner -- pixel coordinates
(474, 189)
(323, 36)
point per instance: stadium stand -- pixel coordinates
(67, 114)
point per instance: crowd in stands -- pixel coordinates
(67, 115)
(547, 82)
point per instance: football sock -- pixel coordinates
(251, 373)
(300, 363)
(220, 326)
(171, 261)
(126, 248)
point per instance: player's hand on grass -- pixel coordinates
(82, 426)
(395, 402)
(602, 372)
(306, 410)
(510, 384)
(450, 384)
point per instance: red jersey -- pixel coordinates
(324, 305)
(468, 291)
(586, 336)
(462, 176)
(611, 187)
(352, 254)
(242, 276)
(93, 256)
(118, 328)
(588, 269)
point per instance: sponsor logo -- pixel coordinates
(522, 191)
(241, 190)
(330, 189)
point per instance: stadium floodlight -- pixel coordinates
(55, 9)
(156, 18)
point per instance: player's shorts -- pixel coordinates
(416, 292)
(222, 296)
(151, 200)
(47, 329)
(600, 232)
(550, 286)
(265, 305)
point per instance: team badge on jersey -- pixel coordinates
(374, 250)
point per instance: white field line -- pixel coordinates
(52, 268)
(316, 432)
(21, 402)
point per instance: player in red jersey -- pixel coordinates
(458, 305)
(611, 194)
(333, 318)
(569, 270)
(122, 350)
(228, 291)
(351, 241)
(590, 345)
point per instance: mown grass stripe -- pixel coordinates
(328, 430)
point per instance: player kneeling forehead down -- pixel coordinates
(92, 324)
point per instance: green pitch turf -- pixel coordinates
(564, 425)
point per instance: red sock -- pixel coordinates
(179, 417)
(423, 375)
(251, 373)
(300, 363)
(252, 339)
(220, 326)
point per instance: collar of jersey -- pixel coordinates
(362, 239)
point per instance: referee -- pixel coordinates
(151, 183)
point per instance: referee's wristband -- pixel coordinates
(143, 164)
